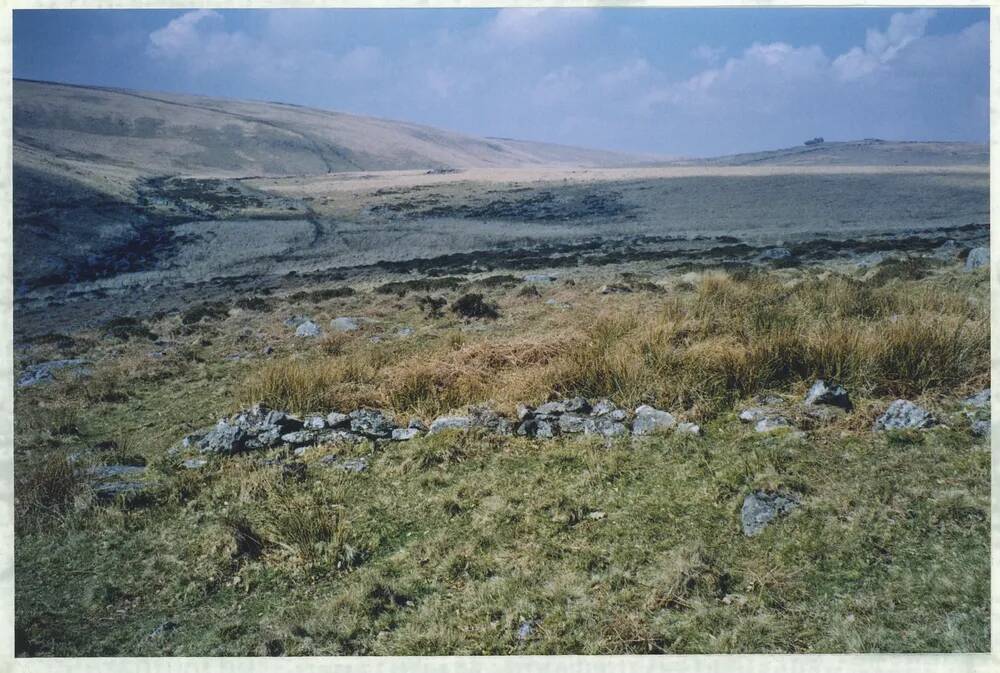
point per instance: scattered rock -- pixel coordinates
(980, 400)
(870, 260)
(345, 324)
(405, 434)
(903, 414)
(268, 350)
(978, 257)
(112, 490)
(314, 423)
(947, 251)
(487, 419)
(829, 394)
(295, 320)
(771, 423)
(404, 332)
(760, 508)
(442, 423)
(371, 423)
(525, 630)
(348, 465)
(307, 329)
(417, 424)
(299, 438)
(250, 430)
(597, 515)
(112, 471)
(337, 420)
(614, 288)
(42, 372)
(776, 253)
(690, 428)
(753, 414)
(981, 428)
(649, 420)
(537, 427)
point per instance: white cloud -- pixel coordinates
(881, 48)
(181, 34)
(711, 55)
(530, 25)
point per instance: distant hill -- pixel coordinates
(868, 152)
(169, 134)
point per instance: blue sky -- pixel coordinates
(662, 81)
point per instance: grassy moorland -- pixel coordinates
(468, 543)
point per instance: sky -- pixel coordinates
(669, 81)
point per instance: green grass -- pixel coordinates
(448, 544)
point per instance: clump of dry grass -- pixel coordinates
(732, 338)
(44, 489)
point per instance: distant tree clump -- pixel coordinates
(818, 140)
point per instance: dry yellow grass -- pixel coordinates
(697, 351)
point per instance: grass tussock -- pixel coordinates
(728, 339)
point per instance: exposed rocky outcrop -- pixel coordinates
(760, 508)
(904, 415)
(823, 393)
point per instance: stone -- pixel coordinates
(442, 423)
(344, 324)
(602, 406)
(294, 320)
(760, 508)
(830, 394)
(978, 258)
(596, 516)
(314, 423)
(300, 451)
(250, 430)
(980, 400)
(162, 629)
(776, 253)
(649, 420)
(417, 424)
(614, 288)
(771, 423)
(42, 372)
(981, 428)
(607, 426)
(404, 332)
(299, 438)
(574, 423)
(524, 412)
(577, 405)
(405, 434)
(870, 260)
(488, 419)
(348, 465)
(946, 251)
(337, 420)
(307, 329)
(371, 423)
(753, 414)
(551, 408)
(525, 630)
(268, 350)
(194, 463)
(111, 490)
(540, 428)
(111, 471)
(689, 428)
(902, 415)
